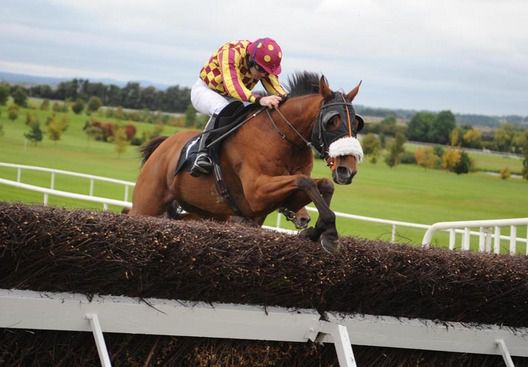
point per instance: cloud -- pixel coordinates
(420, 53)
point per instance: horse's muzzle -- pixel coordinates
(343, 175)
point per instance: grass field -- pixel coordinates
(406, 193)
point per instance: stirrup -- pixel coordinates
(202, 165)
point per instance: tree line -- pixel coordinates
(132, 95)
(441, 130)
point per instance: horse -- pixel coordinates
(266, 163)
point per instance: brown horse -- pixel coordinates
(266, 164)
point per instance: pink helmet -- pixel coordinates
(267, 54)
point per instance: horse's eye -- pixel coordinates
(333, 123)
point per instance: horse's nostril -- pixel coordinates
(343, 171)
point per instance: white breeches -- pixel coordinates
(206, 100)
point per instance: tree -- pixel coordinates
(94, 103)
(455, 137)
(450, 158)
(371, 146)
(426, 157)
(418, 127)
(56, 127)
(441, 127)
(190, 116)
(503, 137)
(78, 106)
(45, 105)
(19, 95)
(12, 112)
(505, 173)
(34, 134)
(388, 125)
(4, 94)
(120, 140)
(473, 138)
(396, 150)
(93, 131)
(525, 153)
(463, 165)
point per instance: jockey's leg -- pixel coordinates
(203, 164)
(208, 102)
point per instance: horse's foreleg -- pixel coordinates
(277, 189)
(325, 227)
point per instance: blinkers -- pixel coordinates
(322, 137)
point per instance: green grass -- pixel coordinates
(406, 193)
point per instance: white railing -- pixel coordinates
(92, 179)
(118, 314)
(487, 230)
(54, 172)
(483, 234)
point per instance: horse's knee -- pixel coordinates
(325, 186)
(306, 183)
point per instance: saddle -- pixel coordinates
(227, 122)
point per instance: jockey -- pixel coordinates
(230, 74)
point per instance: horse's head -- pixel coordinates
(335, 132)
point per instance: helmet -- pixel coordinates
(267, 54)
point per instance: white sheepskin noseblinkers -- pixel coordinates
(346, 146)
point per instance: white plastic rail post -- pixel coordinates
(339, 334)
(505, 352)
(99, 339)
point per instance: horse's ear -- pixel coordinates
(353, 93)
(324, 88)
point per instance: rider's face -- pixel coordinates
(256, 73)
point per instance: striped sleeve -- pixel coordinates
(272, 85)
(229, 60)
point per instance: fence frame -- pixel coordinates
(26, 309)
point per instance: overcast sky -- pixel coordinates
(468, 56)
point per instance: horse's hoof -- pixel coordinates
(309, 233)
(331, 246)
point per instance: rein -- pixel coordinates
(282, 135)
(319, 135)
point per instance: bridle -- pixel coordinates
(321, 138)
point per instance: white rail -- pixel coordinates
(487, 230)
(53, 172)
(483, 234)
(22, 309)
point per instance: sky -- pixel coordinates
(467, 56)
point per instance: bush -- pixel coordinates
(78, 106)
(505, 173)
(408, 158)
(463, 165)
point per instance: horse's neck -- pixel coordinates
(302, 112)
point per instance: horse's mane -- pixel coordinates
(302, 83)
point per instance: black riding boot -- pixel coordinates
(203, 164)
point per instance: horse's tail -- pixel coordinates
(150, 147)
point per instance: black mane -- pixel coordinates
(302, 83)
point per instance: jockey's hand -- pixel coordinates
(270, 101)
